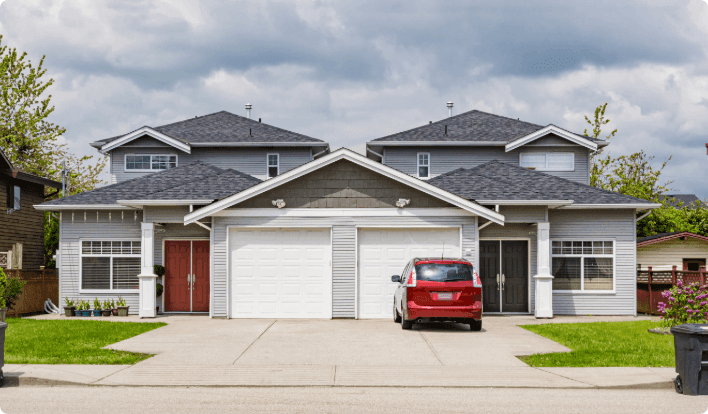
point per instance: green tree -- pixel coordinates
(598, 121)
(30, 141)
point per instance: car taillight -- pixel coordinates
(477, 282)
(412, 279)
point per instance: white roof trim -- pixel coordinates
(259, 144)
(638, 206)
(150, 132)
(548, 130)
(345, 154)
(549, 203)
(82, 207)
(143, 203)
(435, 143)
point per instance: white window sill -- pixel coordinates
(109, 291)
(584, 292)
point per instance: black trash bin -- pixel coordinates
(3, 326)
(691, 348)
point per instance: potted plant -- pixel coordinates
(113, 308)
(85, 312)
(96, 307)
(122, 308)
(70, 308)
(160, 272)
(10, 289)
(106, 309)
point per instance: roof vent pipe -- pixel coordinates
(449, 109)
(248, 110)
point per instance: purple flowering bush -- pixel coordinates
(684, 304)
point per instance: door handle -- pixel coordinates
(503, 280)
(497, 280)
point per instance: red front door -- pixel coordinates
(186, 276)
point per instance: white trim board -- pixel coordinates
(345, 154)
(82, 207)
(526, 202)
(550, 129)
(344, 212)
(151, 133)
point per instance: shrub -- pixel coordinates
(10, 289)
(684, 304)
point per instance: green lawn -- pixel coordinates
(29, 341)
(604, 344)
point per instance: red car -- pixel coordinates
(438, 290)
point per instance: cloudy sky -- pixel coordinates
(351, 71)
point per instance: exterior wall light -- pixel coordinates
(279, 203)
(402, 202)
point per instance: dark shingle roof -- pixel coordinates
(225, 127)
(195, 181)
(499, 181)
(688, 200)
(470, 126)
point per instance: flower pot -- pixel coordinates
(122, 310)
(96, 312)
(85, 313)
(69, 311)
(3, 311)
(105, 312)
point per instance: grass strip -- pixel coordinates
(604, 344)
(30, 341)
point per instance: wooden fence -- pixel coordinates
(41, 285)
(650, 284)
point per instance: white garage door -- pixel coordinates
(280, 273)
(384, 252)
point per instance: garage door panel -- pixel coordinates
(289, 273)
(384, 253)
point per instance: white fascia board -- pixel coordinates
(259, 144)
(551, 129)
(436, 143)
(349, 155)
(151, 133)
(613, 206)
(164, 202)
(82, 207)
(344, 212)
(550, 203)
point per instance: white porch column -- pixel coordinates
(544, 279)
(147, 277)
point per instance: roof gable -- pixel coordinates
(344, 154)
(552, 130)
(139, 134)
(5, 163)
(662, 237)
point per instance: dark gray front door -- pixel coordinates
(504, 272)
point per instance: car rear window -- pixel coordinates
(444, 272)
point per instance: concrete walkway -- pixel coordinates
(196, 350)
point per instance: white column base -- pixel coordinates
(148, 286)
(544, 296)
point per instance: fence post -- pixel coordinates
(702, 269)
(673, 275)
(651, 307)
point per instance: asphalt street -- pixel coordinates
(124, 400)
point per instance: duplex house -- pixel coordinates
(321, 236)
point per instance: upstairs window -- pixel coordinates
(141, 163)
(548, 161)
(423, 165)
(273, 165)
(13, 198)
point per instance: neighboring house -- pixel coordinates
(21, 226)
(685, 250)
(684, 200)
(322, 239)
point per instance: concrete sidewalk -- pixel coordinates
(196, 350)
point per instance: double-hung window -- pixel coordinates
(13, 198)
(423, 165)
(273, 165)
(110, 265)
(144, 163)
(583, 265)
(548, 161)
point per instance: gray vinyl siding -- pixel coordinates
(600, 224)
(120, 225)
(344, 249)
(166, 214)
(251, 161)
(446, 159)
(523, 214)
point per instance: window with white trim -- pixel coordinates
(110, 265)
(548, 161)
(423, 165)
(585, 265)
(142, 163)
(273, 165)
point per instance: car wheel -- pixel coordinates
(406, 324)
(476, 325)
(396, 315)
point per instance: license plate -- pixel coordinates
(445, 296)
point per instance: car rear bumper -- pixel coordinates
(444, 312)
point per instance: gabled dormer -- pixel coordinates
(475, 137)
(222, 139)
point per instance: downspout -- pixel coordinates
(644, 215)
(375, 153)
(314, 157)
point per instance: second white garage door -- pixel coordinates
(280, 273)
(384, 252)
